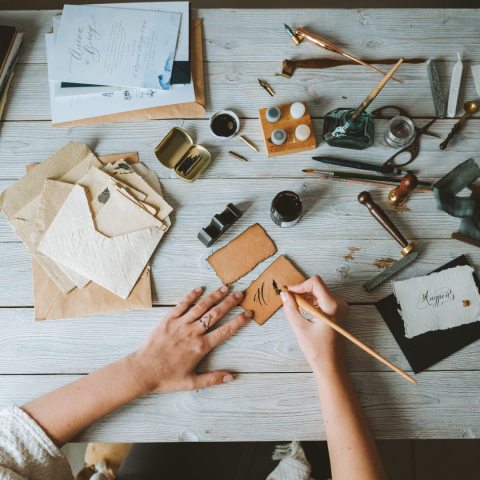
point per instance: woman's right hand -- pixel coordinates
(322, 346)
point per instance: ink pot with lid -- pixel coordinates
(286, 209)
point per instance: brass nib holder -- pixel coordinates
(296, 39)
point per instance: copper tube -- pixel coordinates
(321, 42)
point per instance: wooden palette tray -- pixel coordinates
(288, 124)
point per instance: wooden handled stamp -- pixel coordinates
(398, 196)
(366, 199)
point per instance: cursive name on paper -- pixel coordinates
(137, 67)
(436, 299)
(84, 49)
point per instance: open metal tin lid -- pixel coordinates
(177, 148)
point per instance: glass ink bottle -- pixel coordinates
(339, 130)
(286, 209)
(354, 128)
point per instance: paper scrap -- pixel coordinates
(435, 301)
(114, 263)
(260, 297)
(124, 173)
(19, 203)
(242, 254)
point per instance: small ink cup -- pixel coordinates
(286, 209)
(278, 136)
(273, 114)
(399, 132)
(224, 124)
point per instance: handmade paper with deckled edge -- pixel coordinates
(114, 263)
(260, 297)
(123, 172)
(19, 203)
(54, 196)
(435, 301)
(242, 254)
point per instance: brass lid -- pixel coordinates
(173, 147)
(408, 248)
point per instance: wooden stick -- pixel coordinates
(308, 307)
(375, 92)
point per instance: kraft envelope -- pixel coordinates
(19, 203)
(181, 110)
(115, 263)
(51, 304)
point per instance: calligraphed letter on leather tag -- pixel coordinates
(438, 301)
(260, 297)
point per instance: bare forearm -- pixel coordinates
(350, 441)
(67, 411)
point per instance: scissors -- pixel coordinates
(414, 147)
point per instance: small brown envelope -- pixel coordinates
(51, 304)
(180, 110)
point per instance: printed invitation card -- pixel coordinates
(115, 46)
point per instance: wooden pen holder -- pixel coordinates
(288, 124)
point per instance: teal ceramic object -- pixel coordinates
(339, 131)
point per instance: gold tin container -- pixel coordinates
(178, 153)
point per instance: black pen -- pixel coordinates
(361, 166)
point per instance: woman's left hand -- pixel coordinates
(167, 359)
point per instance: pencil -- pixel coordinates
(308, 307)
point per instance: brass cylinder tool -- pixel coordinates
(237, 156)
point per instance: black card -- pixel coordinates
(426, 349)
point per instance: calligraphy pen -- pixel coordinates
(312, 310)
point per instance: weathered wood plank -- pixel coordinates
(234, 85)
(242, 34)
(277, 407)
(330, 211)
(83, 345)
(179, 267)
(25, 143)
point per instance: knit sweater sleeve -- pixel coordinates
(26, 452)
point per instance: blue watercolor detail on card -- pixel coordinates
(168, 69)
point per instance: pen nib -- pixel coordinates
(263, 84)
(289, 30)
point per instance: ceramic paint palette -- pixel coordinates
(289, 124)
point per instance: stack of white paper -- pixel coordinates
(118, 58)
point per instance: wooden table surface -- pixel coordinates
(273, 396)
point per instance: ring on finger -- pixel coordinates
(205, 321)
